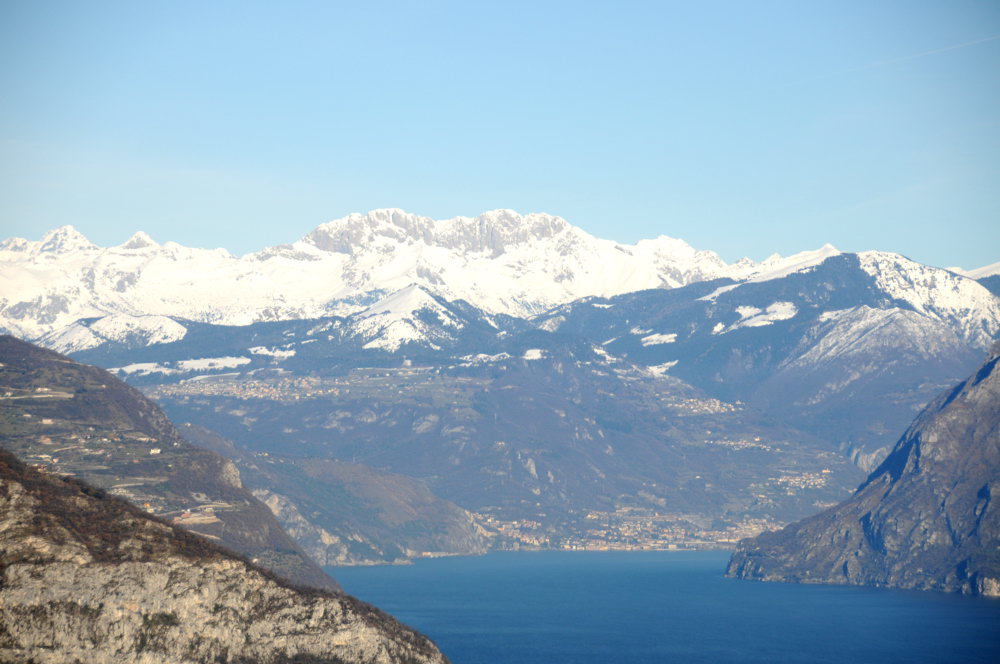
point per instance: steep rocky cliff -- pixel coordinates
(926, 518)
(77, 419)
(89, 578)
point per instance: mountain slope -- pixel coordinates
(926, 518)
(86, 577)
(77, 419)
(849, 348)
(348, 514)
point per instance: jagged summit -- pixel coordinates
(492, 232)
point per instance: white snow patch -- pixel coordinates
(661, 369)
(754, 317)
(144, 369)
(719, 291)
(656, 339)
(195, 379)
(272, 352)
(534, 354)
(483, 358)
(208, 363)
(638, 330)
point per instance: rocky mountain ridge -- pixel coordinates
(926, 518)
(86, 577)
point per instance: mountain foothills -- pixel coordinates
(536, 386)
(77, 419)
(926, 517)
(90, 578)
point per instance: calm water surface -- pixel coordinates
(589, 608)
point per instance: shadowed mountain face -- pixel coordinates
(75, 419)
(349, 514)
(89, 578)
(927, 518)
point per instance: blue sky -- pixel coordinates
(743, 127)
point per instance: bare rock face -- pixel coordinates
(926, 518)
(89, 578)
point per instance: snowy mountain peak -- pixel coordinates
(403, 302)
(140, 240)
(64, 240)
(958, 301)
(409, 315)
(122, 328)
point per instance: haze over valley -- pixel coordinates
(510, 381)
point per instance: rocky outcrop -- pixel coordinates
(926, 518)
(89, 578)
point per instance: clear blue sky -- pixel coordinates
(743, 127)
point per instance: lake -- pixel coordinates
(557, 607)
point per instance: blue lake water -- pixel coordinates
(621, 607)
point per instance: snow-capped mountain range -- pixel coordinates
(846, 346)
(390, 279)
(500, 262)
